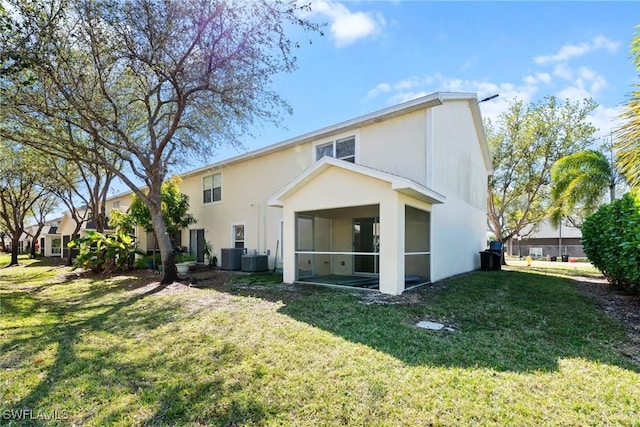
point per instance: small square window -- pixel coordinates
(343, 149)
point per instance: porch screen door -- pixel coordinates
(366, 238)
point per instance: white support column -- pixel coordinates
(392, 246)
(289, 246)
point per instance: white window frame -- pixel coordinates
(202, 189)
(233, 234)
(338, 138)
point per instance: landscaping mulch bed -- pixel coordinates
(619, 305)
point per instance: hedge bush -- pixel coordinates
(611, 240)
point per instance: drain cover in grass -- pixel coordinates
(425, 324)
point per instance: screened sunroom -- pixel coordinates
(342, 246)
(350, 225)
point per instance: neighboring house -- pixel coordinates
(44, 240)
(66, 226)
(549, 241)
(388, 200)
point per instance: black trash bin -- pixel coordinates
(486, 260)
(491, 259)
(565, 258)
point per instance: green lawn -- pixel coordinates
(528, 349)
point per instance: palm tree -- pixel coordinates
(628, 143)
(579, 183)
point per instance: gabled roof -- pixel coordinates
(398, 183)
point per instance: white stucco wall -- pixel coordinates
(460, 173)
(396, 146)
(246, 186)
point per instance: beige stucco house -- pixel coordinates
(386, 201)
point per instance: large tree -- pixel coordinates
(22, 172)
(151, 82)
(628, 142)
(579, 184)
(525, 141)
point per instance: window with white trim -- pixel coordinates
(343, 149)
(238, 236)
(212, 188)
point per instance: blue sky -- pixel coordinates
(377, 54)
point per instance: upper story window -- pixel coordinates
(343, 149)
(116, 204)
(212, 188)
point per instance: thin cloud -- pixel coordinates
(587, 85)
(415, 87)
(570, 51)
(605, 120)
(380, 89)
(572, 83)
(346, 26)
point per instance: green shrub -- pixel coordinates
(105, 254)
(611, 240)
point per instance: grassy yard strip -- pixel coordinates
(527, 349)
(565, 269)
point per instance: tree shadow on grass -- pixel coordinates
(78, 361)
(505, 321)
(62, 328)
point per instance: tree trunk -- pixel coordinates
(70, 253)
(612, 192)
(36, 237)
(503, 260)
(15, 240)
(170, 273)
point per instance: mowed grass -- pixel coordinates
(527, 349)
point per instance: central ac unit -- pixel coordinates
(253, 263)
(231, 258)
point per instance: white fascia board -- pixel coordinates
(419, 192)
